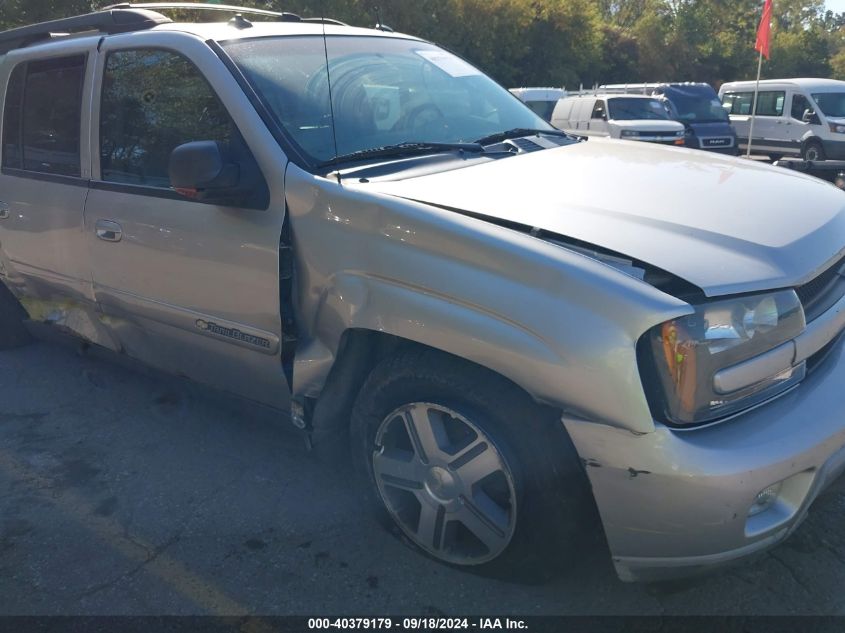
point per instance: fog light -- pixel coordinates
(765, 499)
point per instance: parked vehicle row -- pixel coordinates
(793, 117)
(632, 117)
(696, 106)
(509, 326)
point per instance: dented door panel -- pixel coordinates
(192, 288)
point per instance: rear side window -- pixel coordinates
(769, 103)
(739, 102)
(43, 113)
(599, 110)
(152, 102)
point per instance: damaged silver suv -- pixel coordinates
(364, 231)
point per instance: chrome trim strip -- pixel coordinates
(132, 306)
(820, 332)
(755, 369)
(816, 335)
(653, 139)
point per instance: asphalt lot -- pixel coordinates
(125, 493)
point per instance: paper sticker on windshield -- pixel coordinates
(448, 63)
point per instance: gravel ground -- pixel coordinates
(124, 493)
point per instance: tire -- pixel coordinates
(530, 503)
(813, 150)
(12, 331)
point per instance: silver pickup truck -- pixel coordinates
(513, 327)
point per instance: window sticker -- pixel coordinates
(448, 63)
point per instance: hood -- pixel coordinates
(648, 125)
(727, 225)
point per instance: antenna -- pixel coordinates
(329, 80)
(379, 24)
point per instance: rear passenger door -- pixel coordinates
(190, 287)
(44, 176)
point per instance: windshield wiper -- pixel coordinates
(409, 148)
(516, 133)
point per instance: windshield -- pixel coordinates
(831, 103)
(696, 105)
(634, 109)
(385, 91)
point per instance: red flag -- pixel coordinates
(762, 43)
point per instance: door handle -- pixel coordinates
(4, 210)
(109, 231)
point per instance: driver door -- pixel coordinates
(189, 287)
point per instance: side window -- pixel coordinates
(770, 103)
(152, 102)
(800, 104)
(739, 102)
(43, 113)
(599, 110)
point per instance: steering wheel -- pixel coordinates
(424, 115)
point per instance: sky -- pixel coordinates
(837, 6)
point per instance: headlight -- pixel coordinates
(630, 134)
(681, 133)
(690, 351)
(837, 127)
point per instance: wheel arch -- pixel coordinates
(359, 351)
(811, 140)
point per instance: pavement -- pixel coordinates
(128, 493)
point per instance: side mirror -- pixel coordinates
(810, 117)
(200, 170)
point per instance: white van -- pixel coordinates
(541, 100)
(799, 117)
(631, 117)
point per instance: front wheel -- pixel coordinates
(467, 467)
(813, 150)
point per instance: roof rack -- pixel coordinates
(325, 21)
(199, 6)
(106, 21)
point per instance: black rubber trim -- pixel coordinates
(287, 285)
(140, 190)
(165, 194)
(770, 142)
(73, 181)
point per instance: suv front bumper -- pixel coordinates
(674, 503)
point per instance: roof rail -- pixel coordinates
(106, 21)
(199, 6)
(325, 21)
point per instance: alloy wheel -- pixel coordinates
(445, 483)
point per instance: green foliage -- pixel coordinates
(568, 42)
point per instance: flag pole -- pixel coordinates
(754, 104)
